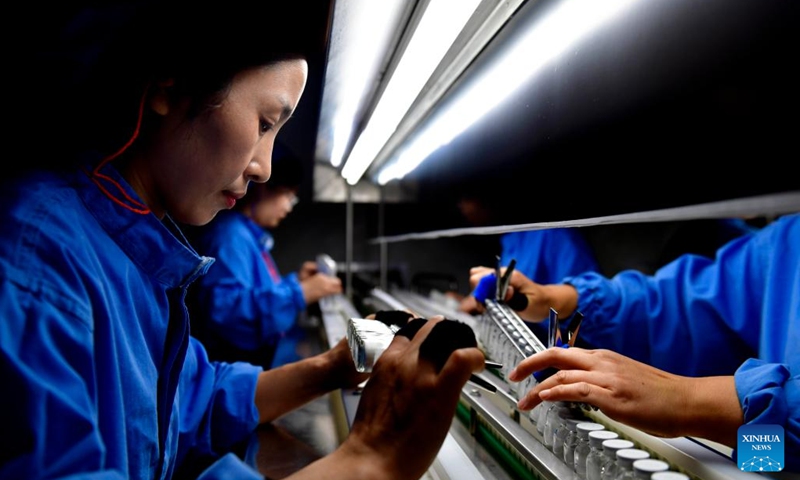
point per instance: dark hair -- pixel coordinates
(97, 68)
(287, 169)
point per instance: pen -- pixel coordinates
(482, 383)
(494, 365)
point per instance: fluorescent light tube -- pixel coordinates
(439, 26)
(545, 40)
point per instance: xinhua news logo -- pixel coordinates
(760, 448)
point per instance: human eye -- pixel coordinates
(264, 126)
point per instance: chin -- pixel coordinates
(197, 219)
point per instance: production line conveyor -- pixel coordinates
(490, 438)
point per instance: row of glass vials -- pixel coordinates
(507, 340)
(592, 451)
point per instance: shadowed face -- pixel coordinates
(194, 167)
(273, 206)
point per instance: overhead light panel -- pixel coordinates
(544, 40)
(362, 32)
(438, 27)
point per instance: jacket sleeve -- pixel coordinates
(217, 404)
(738, 314)
(237, 299)
(770, 394)
(690, 308)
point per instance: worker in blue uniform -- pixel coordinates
(700, 348)
(244, 309)
(101, 377)
(543, 255)
(547, 256)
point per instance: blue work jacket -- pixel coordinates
(243, 304)
(546, 257)
(737, 314)
(101, 378)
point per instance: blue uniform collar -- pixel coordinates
(159, 248)
(264, 237)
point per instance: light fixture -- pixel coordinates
(550, 36)
(439, 26)
(362, 32)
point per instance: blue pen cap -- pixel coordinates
(486, 288)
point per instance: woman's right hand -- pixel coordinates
(407, 407)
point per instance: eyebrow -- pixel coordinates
(286, 110)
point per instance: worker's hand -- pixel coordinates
(634, 393)
(477, 273)
(308, 269)
(406, 408)
(471, 305)
(540, 298)
(318, 286)
(342, 358)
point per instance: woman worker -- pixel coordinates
(102, 378)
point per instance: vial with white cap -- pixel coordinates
(571, 440)
(669, 475)
(644, 469)
(582, 447)
(551, 422)
(562, 429)
(544, 408)
(594, 461)
(608, 468)
(625, 459)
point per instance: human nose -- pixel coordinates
(260, 167)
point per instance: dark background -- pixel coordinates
(683, 102)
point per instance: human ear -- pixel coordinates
(159, 98)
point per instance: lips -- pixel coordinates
(231, 198)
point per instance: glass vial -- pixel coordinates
(594, 461)
(545, 407)
(551, 423)
(367, 340)
(644, 469)
(561, 430)
(608, 469)
(571, 440)
(670, 475)
(582, 447)
(625, 459)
